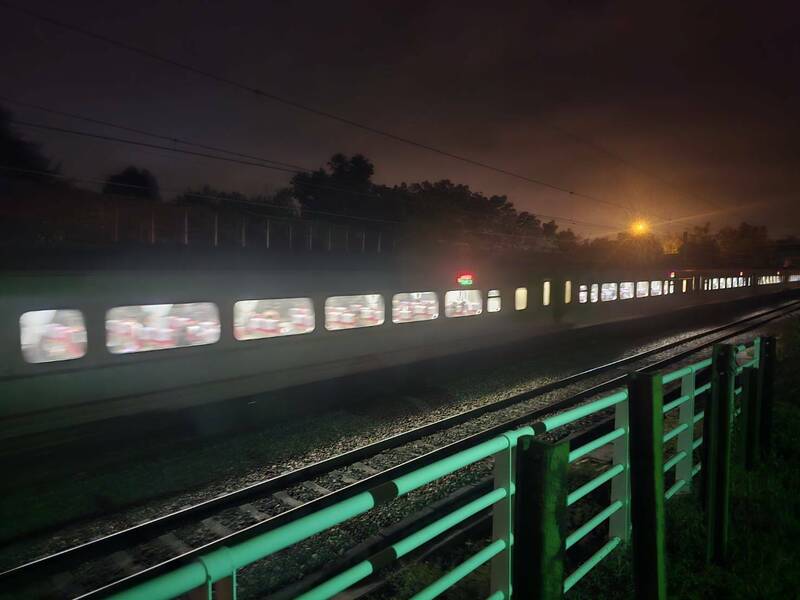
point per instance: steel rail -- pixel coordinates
(150, 530)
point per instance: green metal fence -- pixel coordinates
(530, 502)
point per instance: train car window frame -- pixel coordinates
(138, 328)
(52, 335)
(608, 292)
(450, 314)
(424, 306)
(521, 298)
(656, 284)
(346, 315)
(271, 318)
(594, 293)
(583, 293)
(627, 290)
(493, 301)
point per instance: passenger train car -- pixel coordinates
(83, 346)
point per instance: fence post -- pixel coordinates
(504, 477)
(540, 519)
(717, 429)
(645, 402)
(749, 422)
(766, 375)
(620, 523)
(683, 470)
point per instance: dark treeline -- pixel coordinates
(424, 214)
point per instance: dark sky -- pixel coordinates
(701, 99)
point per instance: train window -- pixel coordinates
(730, 282)
(567, 291)
(684, 285)
(141, 328)
(463, 303)
(521, 298)
(608, 292)
(594, 292)
(715, 283)
(277, 317)
(741, 281)
(667, 288)
(352, 312)
(642, 289)
(583, 294)
(52, 335)
(656, 288)
(415, 306)
(671, 286)
(493, 301)
(626, 290)
(546, 293)
(792, 278)
(722, 285)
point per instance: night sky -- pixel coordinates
(701, 100)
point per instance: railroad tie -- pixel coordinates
(316, 488)
(365, 468)
(174, 543)
(286, 499)
(253, 512)
(216, 527)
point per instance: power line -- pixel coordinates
(299, 106)
(109, 138)
(149, 133)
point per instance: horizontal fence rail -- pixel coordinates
(529, 501)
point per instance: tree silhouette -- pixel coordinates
(133, 182)
(21, 159)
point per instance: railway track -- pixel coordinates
(116, 561)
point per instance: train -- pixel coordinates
(81, 346)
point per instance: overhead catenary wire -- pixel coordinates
(268, 95)
(152, 134)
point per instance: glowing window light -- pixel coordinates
(546, 294)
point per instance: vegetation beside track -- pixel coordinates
(765, 518)
(764, 525)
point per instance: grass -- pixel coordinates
(764, 546)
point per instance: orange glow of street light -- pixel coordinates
(640, 227)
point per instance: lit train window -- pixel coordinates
(583, 294)
(142, 328)
(567, 292)
(52, 335)
(608, 292)
(626, 290)
(493, 301)
(352, 312)
(792, 278)
(521, 298)
(256, 319)
(642, 289)
(715, 283)
(463, 303)
(668, 288)
(730, 282)
(594, 293)
(415, 306)
(722, 285)
(684, 285)
(656, 288)
(741, 281)
(546, 293)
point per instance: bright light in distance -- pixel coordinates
(464, 279)
(640, 227)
